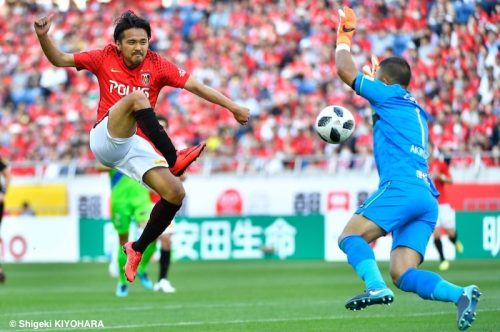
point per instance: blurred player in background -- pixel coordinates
(405, 203)
(440, 172)
(130, 78)
(26, 210)
(164, 284)
(130, 202)
(5, 179)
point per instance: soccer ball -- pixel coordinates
(334, 124)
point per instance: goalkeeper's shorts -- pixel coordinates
(407, 210)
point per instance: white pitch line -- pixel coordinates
(149, 307)
(265, 320)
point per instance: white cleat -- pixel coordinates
(164, 286)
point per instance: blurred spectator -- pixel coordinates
(26, 210)
(274, 57)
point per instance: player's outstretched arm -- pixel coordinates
(241, 114)
(55, 56)
(344, 63)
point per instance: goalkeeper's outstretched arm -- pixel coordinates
(344, 63)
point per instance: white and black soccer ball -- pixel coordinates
(335, 124)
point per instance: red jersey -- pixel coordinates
(437, 168)
(116, 80)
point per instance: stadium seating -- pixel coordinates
(275, 57)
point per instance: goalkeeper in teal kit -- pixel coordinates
(405, 202)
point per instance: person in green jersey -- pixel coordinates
(130, 202)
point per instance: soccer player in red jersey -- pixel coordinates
(130, 77)
(440, 172)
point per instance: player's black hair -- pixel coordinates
(129, 20)
(397, 70)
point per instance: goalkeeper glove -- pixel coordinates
(373, 70)
(347, 25)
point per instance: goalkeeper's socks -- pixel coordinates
(429, 286)
(146, 257)
(360, 256)
(369, 272)
(164, 263)
(122, 260)
(146, 120)
(162, 214)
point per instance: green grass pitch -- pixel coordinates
(237, 296)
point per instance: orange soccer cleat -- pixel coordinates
(133, 260)
(185, 158)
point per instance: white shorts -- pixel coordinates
(133, 156)
(446, 217)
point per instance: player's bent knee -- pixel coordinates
(139, 100)
(395, 276)
(174, 194)
(402, 259)
(397, 271)
(179, 193)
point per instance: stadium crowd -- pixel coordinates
(275, 57)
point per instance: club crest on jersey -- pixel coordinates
(146, 78)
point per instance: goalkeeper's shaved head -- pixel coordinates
(395, 70)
